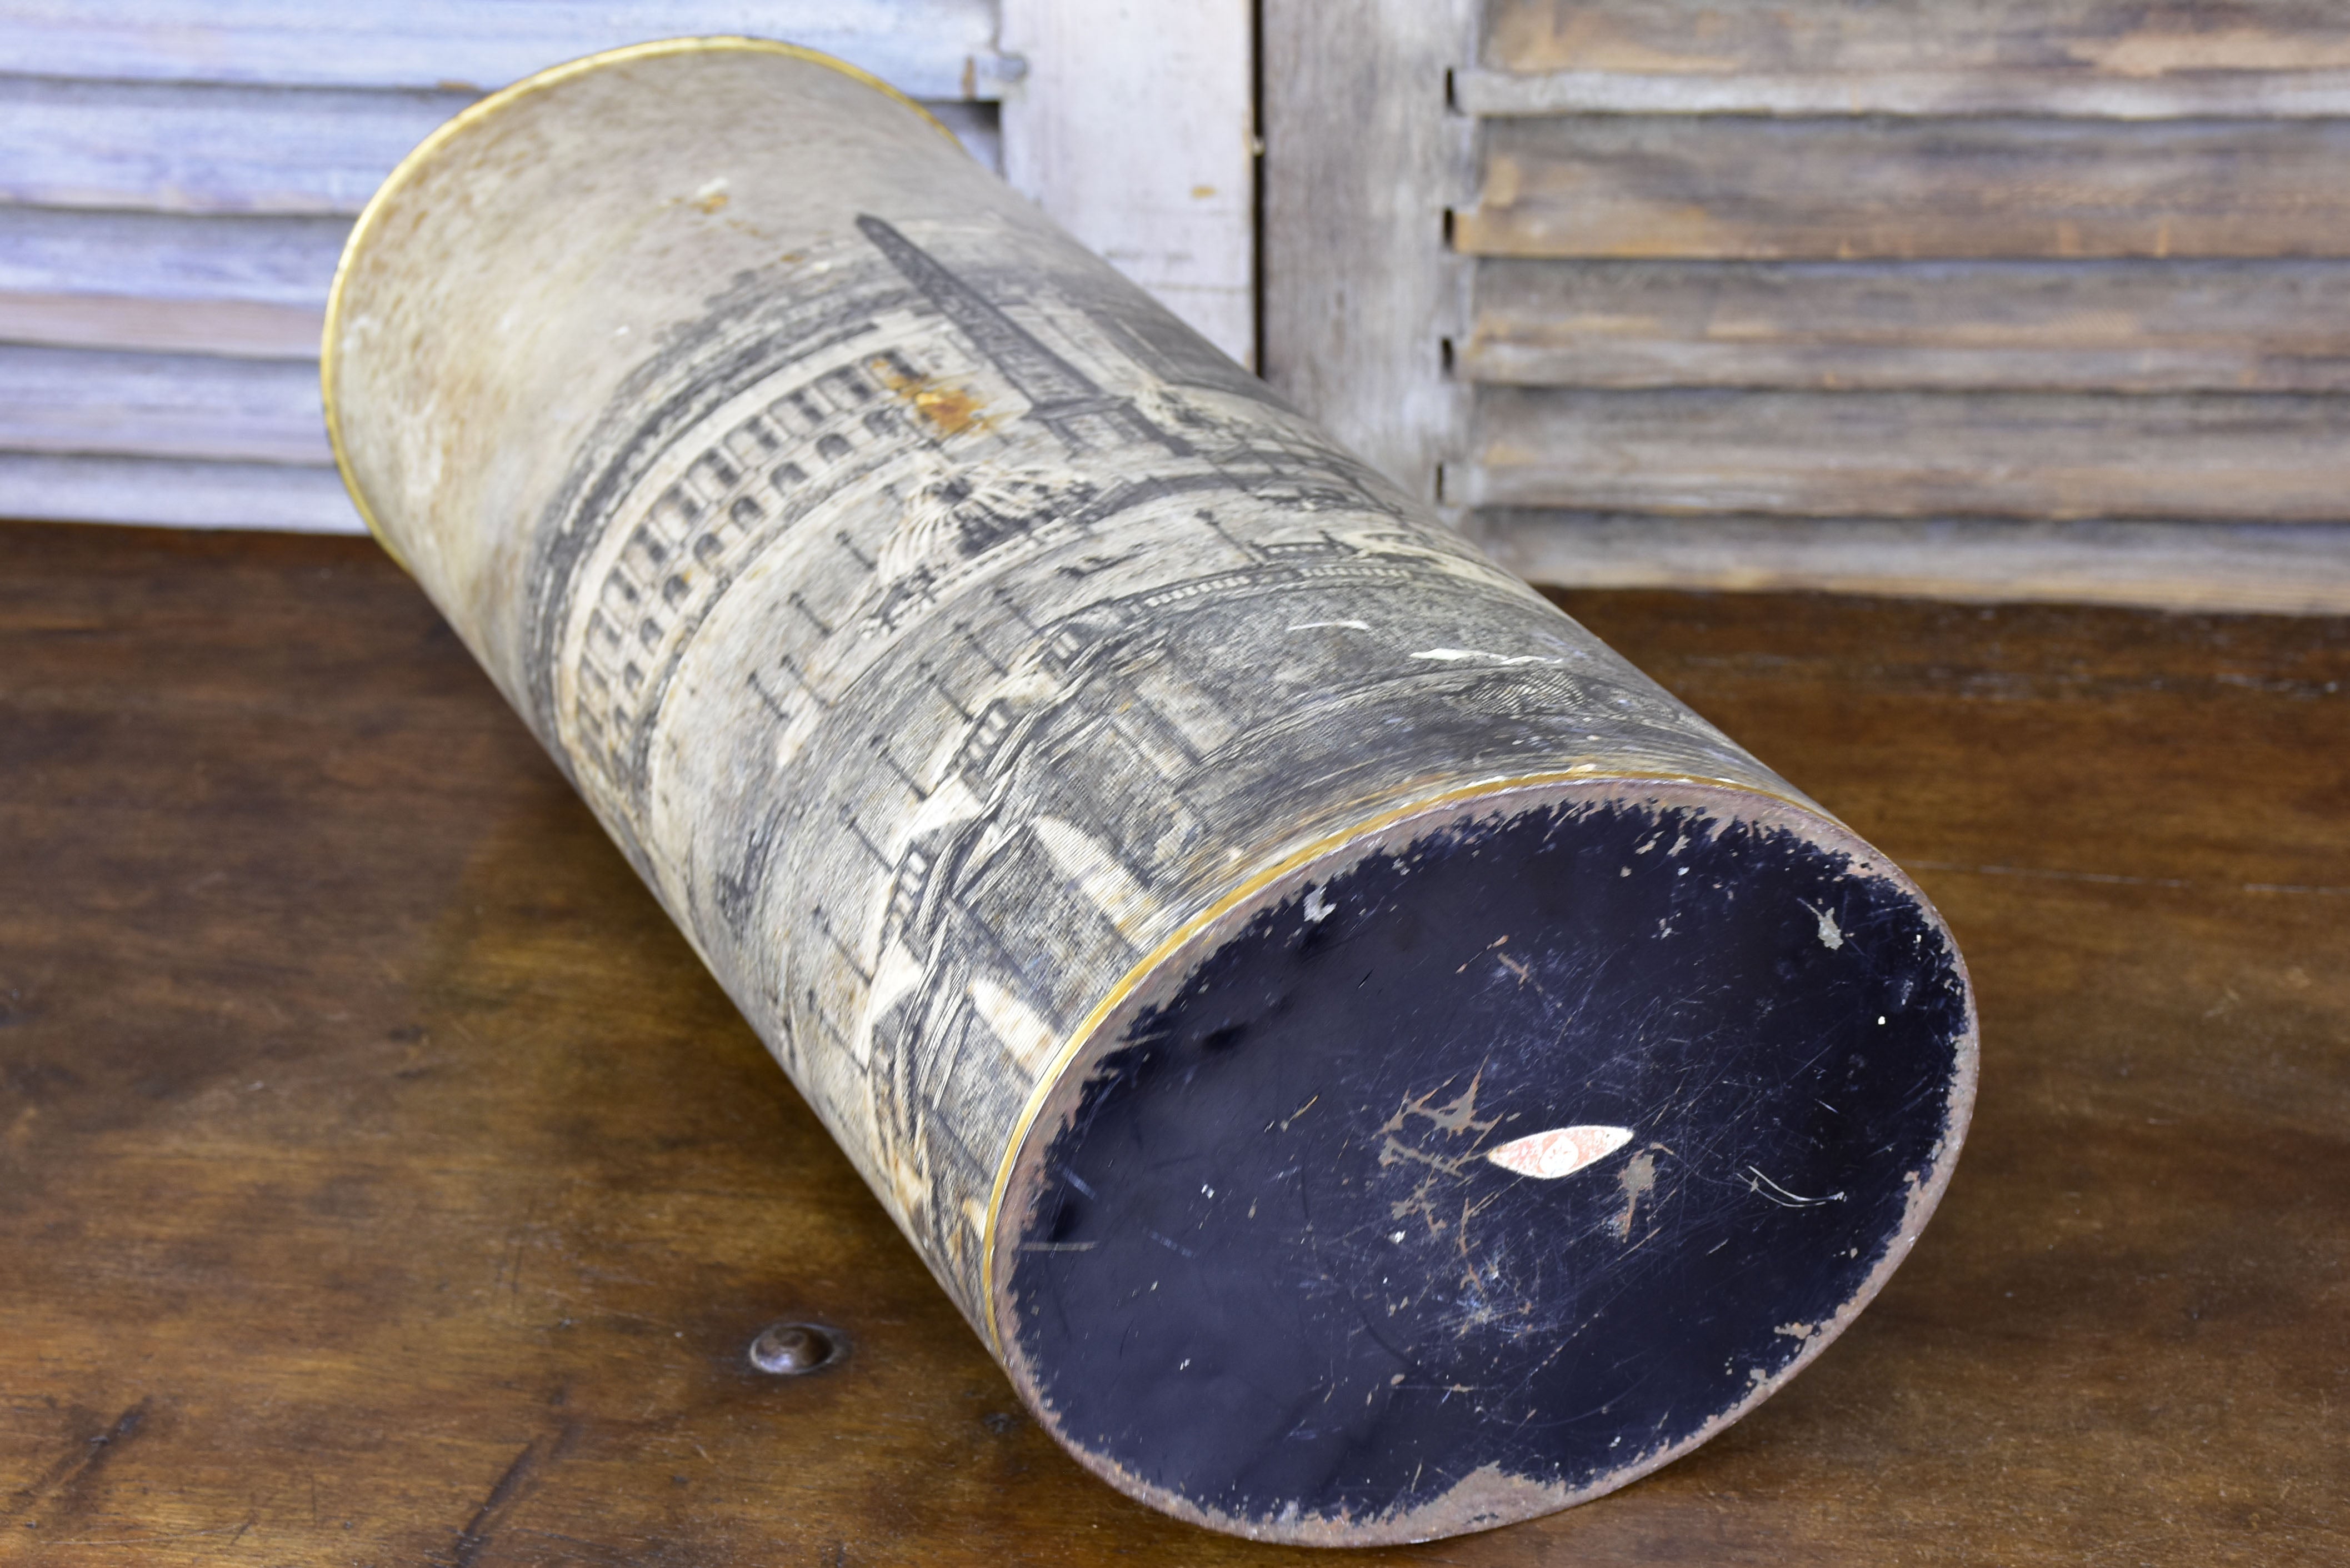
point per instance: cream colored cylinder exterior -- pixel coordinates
(817, 502)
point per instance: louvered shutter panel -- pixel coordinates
(176, 178)
(1963, 296)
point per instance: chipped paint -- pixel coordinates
(1638, 1179)
(1561, 1151)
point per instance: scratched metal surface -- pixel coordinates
(383, 1180)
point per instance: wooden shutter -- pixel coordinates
(1979, 297)
(176, 178)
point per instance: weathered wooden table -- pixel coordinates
(383, 1181)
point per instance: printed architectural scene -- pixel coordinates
(942, 644)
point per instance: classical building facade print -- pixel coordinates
(1057, 611)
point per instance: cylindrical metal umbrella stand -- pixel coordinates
(1371, 1063)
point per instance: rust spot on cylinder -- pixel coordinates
(950, 410)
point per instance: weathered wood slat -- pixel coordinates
(2145, 327)
(165, 282)
(1752, 189)
(2210, 568)
(2003, 47)
(236, 327)
(165, 147)
(1361, 161)
(1911, 454)
(168, 256)
(206, 149)
(2249, 94)
(930, 48)
(87, 403)
(69, 489)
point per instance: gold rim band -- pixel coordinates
(405, 172)
(1255, 884)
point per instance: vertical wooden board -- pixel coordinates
(2270, 327)
(1134, 128)
(2206, 567)
(1913, 454)
(1362, 159)
(930, 48)
(1848, 190)
(88, 401)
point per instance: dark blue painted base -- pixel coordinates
(1274, 1273)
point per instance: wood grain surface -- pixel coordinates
(177, 177)
(193, 406)
(931, 48)
(1358, 286)
(1920, 93)
(383, 1181)
(171, 256)
(1858, 190)
(2137, 211)
(209, 149)
(2120, 39)
(2177, 457)
(117, 321)
(78, 487)
(171, 147)
(2261, 568)
(2123, 326)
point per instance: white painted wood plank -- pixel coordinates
(1363, 158)
(1133, 128)
(206, 149)
(234, 327)
(928, 49)
(170, 256)
(88, 402)
(169, 148)
(55, 489)
(2213, 567)
(2228, 95)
